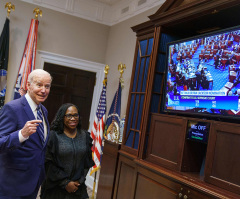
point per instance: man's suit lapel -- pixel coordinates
(27, 108)
(36, 137)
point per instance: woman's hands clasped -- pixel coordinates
(72, 186)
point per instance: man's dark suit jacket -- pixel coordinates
(21, 164)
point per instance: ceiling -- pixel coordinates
(108, 12)
(109, 2)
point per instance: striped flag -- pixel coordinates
(4, 52)
(112, 126)
(28, 60)
(97, 130)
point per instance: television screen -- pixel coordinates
(198, 131)
(203, 74)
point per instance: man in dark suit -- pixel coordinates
(23, 140)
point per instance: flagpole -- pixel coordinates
(121, 68)
(27, 64)
(94, 185)
(95, 170)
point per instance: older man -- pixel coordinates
(23, 136)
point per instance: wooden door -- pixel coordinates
(166, 141)
(222, 160)
(70, 85)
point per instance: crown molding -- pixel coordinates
(104, 12)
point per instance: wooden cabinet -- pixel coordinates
(137, 179)
(108, 170)
(215, 162)
(156, 159)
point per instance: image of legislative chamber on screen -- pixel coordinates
(209, 63)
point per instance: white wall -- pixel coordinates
(73, 37)
(57, 33)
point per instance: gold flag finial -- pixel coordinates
(10, 7)
(121, 68)
(38, 12)
(106, 73)
(106, 70)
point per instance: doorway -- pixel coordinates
(45, 58)
(70, 85)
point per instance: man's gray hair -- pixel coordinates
(35, 73)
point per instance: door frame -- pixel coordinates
(98, 68)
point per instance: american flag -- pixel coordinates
(28, 60)
(97, 131)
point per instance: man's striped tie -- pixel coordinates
(40, 127)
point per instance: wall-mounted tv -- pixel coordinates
(203, 74)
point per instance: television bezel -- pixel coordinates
(210, 116)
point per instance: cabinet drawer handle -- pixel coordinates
(180, 195)
(185, 197)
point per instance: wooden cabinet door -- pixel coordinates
(166, 141)
(125, 179)
(134, 181)
(148, 188)
(222, 161)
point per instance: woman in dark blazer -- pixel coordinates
(68, 156)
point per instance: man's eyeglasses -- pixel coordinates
(69, 116)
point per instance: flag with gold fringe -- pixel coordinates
(97, 130)
(112, 127)
(4, 53)
(28, 60)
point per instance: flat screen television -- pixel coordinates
(203, 75)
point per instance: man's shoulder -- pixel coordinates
(17, 101)
(14, 103)
(13, 107)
